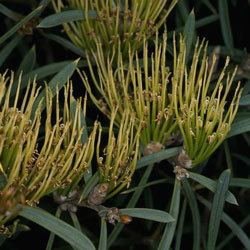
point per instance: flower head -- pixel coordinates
(202, 109)
(113, 21)
(35, 162)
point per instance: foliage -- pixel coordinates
(123, 125)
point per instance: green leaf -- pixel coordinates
(211, 185)
(9, 13)
(227, 239)
(58, 81)
(28, 61)
(58, 227)
(239, 126)
(189, 32)
(225, 25)
(148, 214)
(14, 29)
(65, 43)
(195, 214)
(245, 100)
(52, 235)
(240, 182)
(217, 208)
(64, 17)
(169, 231)
(180, 226)
(132, 202)
(231, 224)
(103, 236)
(5, 51)
(2, 239)
(157, 157)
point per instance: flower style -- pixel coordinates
(143, 86)
(202, 111)
(118, 161)
(114, 21)
(36, 162)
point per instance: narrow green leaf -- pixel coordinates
(239, 126)
(231, 224)
(189, 32)
(225, 25)
(66, 44)
(5, 51)
(227, 239)
(157, 157)
(84, 137)
(58, 81)
(9, 13)
(180, 226)
(211, 185)
(217, 208)
(148, 214)
(169, 231)
(58, 227)
(195, 214)
(64, 17)
(240, 182)
(28, 62)
(103, 236)
(14, 29)
(132, 202)
(52, 235)
(245, 100)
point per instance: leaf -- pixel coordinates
(195, 213)
(5, 51)
(58, 227)
(180, 226)
(231, 224)
(66, 43)
(157, 157)
(245, 100)
(58, 81)
(217, 208)
(9, 13)
(211, 185)
(28, 62)
(64, 17)
(148, 214)
(103, 236)
(240, 182)
(27, 18)
(225, 25)
(189, 32)
(3, 181)
(169, 230)
(240, 126)
(132, 202)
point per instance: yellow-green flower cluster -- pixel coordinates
(143, 86)
(35, 162)
(203, 113)
(118, 161)
(109, 21)
(167, 103)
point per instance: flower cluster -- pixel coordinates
(184, 102)
(113, 21)
(35, 162)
